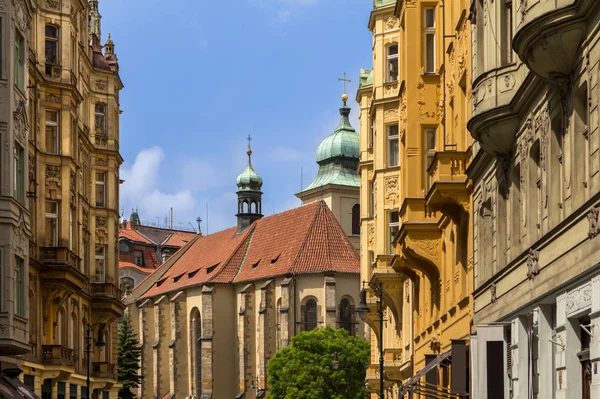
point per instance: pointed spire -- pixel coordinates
(95, 19)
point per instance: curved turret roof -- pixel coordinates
(249, 180)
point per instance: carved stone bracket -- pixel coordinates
(533, 268)
(592, 217)
(493, 293)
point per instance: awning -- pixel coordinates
(13, 388)
(412, 381)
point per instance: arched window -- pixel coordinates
(196, 351)
(356, 219)
(59, 336)
(346, 315)
(310, 315)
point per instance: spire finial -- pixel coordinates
(249, 152)
(344, 96)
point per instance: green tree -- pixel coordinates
(303, 370)
(129, 359)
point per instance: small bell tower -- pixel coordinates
(249, 195)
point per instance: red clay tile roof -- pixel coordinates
(303, 240)
(133, 235)
(134, 266)
(179, 239)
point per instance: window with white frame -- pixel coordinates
(429, 154)
(138, 258)
(393, 227)
(429, 39)
(100, 257)
(371, 132)
(392, 63)
(18, 173)
(19, 287)
(19, 60)
(393, 145)
(51, 33)
(371, 199)
(52, 223)
(100, 189)
(52, 132)
(100, 121)
(506, 30)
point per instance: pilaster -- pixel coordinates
(330, 302)
(519, 358)
(207, 343)
(284, 312)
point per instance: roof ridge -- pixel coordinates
(166, 239)
(245, 254)
(143, 235)
(249, 232)
(308, 233)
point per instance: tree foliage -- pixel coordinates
(303, 370)
(129, 359)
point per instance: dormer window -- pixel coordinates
(100, 111)
(392, 63)
(138, 258)
(51, 33)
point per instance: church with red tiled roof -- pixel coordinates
(211, 316)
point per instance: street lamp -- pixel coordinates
(335, 365)
(99, 343)
(363, 309)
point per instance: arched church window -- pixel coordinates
(310, 315)
(196, 338)
(346, 315)
(356, 219)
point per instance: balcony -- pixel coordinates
(61, 265)
(396, 364)
(104, 370)
(550, 35)
(449, 183)
(57, 355)
(107, 298)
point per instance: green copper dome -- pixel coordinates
(343, 143)
(338, 155)
(249, 179)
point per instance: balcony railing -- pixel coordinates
(57, 355)
(104, 370)
(105, 290)
(59, 256)
(448, 166)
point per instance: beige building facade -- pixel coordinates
(536, 198)
(61, 188)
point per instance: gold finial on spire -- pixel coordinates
(344, 96)
(249, 152)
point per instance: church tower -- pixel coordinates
(249, 195)
(95, 19)
(337, 182)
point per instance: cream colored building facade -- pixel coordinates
(62, 126)
(536, 199)
(416, 228)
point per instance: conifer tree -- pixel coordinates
(129, 359)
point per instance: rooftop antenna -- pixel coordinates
(157, 221)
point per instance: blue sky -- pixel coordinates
(200, 76)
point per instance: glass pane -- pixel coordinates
(51, 52)
(52, 139)
(392, 130)
(429, 18)
(430, 50)
(51, 208)
(393, 50)
(51, 31)
(393, 70)
(430, 139)
(51, 116)
(100, 108)
(393, 152)
(51, 236)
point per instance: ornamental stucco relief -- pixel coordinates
(579, 299)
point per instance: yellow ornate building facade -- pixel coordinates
(64, 184)
(416, 227)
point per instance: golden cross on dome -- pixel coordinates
(249, 140)
(344, 80)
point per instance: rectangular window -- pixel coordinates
(19, 61)
(51, 45)
(19, 287)
(393, 145)
(429, 40)
(100, 263)
(71, 227)
(392, 63)
(84, 393)
(84, 255)
(74, 55)
(51, 224)
(393, 227)
(371, 199)
(73, 391)
(429, 153)
(371, 132)
(100, 189)
(138, 258)
(506, 30)
(52, 132)
(372, 258)
(100, 111)
(29, 381)
(61, 387)
(19, 174)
